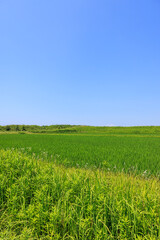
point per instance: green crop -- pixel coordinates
(135, 154)
(81, 186)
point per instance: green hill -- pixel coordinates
(80, 129)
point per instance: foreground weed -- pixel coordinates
(40, 200)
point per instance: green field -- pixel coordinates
(86, 185)
(136, 154)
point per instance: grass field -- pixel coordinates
(137, 154)
(73, 186)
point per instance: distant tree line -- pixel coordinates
(13, 128)
(35, 128)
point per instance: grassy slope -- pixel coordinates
(120, 130)
(40, 200)
(82, 129)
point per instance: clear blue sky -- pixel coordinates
(90, 62)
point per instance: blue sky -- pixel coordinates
(89, 62)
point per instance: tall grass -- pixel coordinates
(40, 200)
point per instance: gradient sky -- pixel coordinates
(89, 62)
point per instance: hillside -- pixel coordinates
(80, 129)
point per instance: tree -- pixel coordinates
(17, 128)
(8, 128)
(23, 128)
